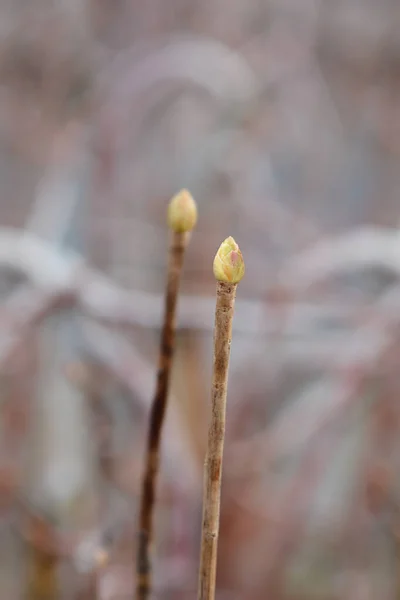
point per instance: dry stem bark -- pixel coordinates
(143, 567)
(226, 293)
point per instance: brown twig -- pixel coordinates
(43, 583)
(228, 270)
(182, 215)
(44, 557)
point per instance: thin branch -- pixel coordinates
(182, 216)
(228, 270)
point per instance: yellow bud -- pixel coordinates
(182, 212)
(228, 262)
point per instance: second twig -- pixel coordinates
(228, 270)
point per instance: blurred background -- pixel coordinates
(283, 119)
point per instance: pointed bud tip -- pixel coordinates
(228, 262)
(182, 212)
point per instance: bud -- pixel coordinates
(182, 212)
(228, 262)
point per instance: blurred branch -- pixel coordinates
(58, 202)
(205, 63)
(24, 308)
(53, 271)
(299, 424)
(38, 260)
(361, 249)
(320, 403)
(56, 272)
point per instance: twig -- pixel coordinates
(42, 583)
(43, 558)
(182, 216)
(228, 270)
